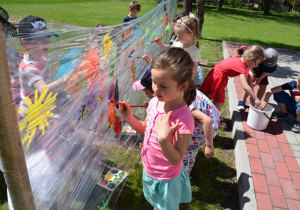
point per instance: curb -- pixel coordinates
(247, 198)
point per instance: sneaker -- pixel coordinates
(241, 105)
(280, 115)
(296, 127)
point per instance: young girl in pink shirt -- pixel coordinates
(167, 130)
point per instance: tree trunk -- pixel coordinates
(187, 6)
(200, 4)
(267, 7)
(220, 3)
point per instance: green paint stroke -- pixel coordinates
(153, 36)
(168, 27)
(105, 204)
(87, 111)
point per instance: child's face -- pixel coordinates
(252, 63)
(183, 35)
(148, 93)
(164, 87)
(39, 47)
(133, 13)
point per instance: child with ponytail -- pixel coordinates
(216, 81)
(186, 30)
(167, 130)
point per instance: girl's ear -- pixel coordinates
(184, 86)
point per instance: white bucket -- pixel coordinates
(259, 119)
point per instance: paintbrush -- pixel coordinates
(135, 57)
(130, 54)
(155, 40)
(119, 103)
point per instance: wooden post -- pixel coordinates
(11, 150)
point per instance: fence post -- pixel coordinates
(11, 150)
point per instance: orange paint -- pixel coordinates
(132, 71)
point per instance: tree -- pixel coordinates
(266, 6)
(200, 4)
(220, 2)
(187, 6)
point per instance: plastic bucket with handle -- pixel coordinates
(259, 119)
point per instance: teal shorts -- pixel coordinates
(168, 194)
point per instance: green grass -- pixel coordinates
(214, 180)
(77, 12)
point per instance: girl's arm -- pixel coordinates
(174, 153)
(126, 113)
(268, 95)
(250, 79)
(195, 70)
(163, 46)
(248, 89)
(208, 131)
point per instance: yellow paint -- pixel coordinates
(36, 115)
(107, 43)
(109, 176)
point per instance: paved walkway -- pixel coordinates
(267, 162)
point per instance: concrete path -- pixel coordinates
(267, 162)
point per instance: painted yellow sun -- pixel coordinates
(36, 115)
(107, 43)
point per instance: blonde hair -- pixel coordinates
(192, 23)
(180, 63)
(253, 53)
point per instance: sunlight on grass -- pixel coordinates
(82, 13)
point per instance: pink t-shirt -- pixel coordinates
(154, 162)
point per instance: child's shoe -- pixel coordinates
(296, 127)
(241, 105)
(280, 115)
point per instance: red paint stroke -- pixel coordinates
(167, 18)
(117, 125)
(88, 68)
(111, 114)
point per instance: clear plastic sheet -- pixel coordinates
(76, 153)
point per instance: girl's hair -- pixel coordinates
(192, 23)
(253, 53)
(177, 16)
(181, 64)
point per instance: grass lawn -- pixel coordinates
(213, 180)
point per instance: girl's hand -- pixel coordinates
(257, 103)
(297, 99)
(209, 151)
(263, 105)
(145, 104)
(125, 111)
(157, 40)
(163, 129)
(147, 59)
